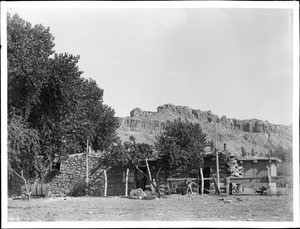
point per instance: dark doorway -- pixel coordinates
(141, 180)
(206, 174)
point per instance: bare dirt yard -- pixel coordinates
(172, 208)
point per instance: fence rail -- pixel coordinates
(40, 189)
(226, 183)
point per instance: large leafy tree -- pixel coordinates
(47, 93)
(181, 145)
(28, 52)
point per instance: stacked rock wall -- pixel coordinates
(71, 180)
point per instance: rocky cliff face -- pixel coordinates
(261, 136)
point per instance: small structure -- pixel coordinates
(257, 173)
(257, 167)
(237, 175)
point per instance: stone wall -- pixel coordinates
(71, 180)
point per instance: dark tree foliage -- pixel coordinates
(282, 153)
(127, 154)
(47, 92)
(28, 51)
(24, 147)
(181, 145)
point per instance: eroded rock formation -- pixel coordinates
(261, 136)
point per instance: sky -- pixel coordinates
(234, 62)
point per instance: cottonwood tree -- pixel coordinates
(28, 52)
(181, 145)
(47, 92)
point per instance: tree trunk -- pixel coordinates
(27, 191)
(149, 174)
(158, 183)
(126, 183)
(202, 181)
(105, 183)
(87, 167)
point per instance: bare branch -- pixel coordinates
(21, 176)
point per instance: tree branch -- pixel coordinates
(144, 174)
(21, 176)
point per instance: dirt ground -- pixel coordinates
(172, 208)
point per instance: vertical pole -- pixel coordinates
(227, 185)
(126, 182)
(105, 183)
(269, 176)
(149, 174)
(217, 157)
(87, 166)
(202, 181)
(286, 189)
(198, 183)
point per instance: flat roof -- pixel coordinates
(259, 159)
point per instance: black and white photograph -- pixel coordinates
(150, 114)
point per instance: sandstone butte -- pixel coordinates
(261, 136)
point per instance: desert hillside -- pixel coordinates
(253, 134)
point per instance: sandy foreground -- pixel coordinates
(255, 208)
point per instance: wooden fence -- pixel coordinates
(227, 185)
(255, 183)
(39, 190)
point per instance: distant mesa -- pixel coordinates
(257, 134)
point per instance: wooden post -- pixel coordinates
(218, 175)
(286, 189)
(269, 176)
(217, 158)
(198, 183)
(227, 185)
(105, 183)
(126, 182)
(87, 167)
(149, 174)
(202, 181)
(217, 189)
